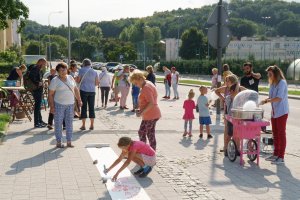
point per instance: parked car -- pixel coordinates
(110, 65)
(97, 65)
(132, 65)
(113, 69)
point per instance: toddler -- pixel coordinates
(189, 106)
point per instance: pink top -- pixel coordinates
(189, 106)
(141, 148)
(149, 94)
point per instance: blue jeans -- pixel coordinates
(88, 99)
(38, 96)
(167, 88)
(63, 112)
(135, 101)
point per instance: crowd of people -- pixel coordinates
(72, 93)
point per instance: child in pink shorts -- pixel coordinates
(136, 151)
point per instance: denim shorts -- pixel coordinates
(204, 120)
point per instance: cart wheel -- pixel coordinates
(252, 147)
(231, 150)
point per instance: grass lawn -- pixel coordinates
(4, 120)
(196, 82)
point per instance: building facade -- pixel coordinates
(172, 49)
(275, 48)
(10, 36)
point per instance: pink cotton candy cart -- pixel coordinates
(247, 132)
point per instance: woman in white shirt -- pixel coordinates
(62, 90)
(174, 82)
(105, 84)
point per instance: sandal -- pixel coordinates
(91, 128)
(82, 128)
(60, 145)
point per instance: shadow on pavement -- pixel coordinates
(38, 160)
(201, 144)
(186, 142)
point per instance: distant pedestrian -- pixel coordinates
(115, 85)
(214, 78)
(148, 108)
(105, 85)
(204, 116)
(189, 106)
(36, 76)
(62, 92)
(151, 75)
(88, 79)
(250, 80)
(278, 97)
(73, 71)
(175, 82)
(167, 82)
(124, 85)
(226, 72)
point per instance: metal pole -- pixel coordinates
(219, 54)
(69, 35)
(49, 40)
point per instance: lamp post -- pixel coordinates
(265, 18)
(69, 35)
(145, 47)
(51, 13)
(178, 31)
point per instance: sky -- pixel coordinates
(102, 10)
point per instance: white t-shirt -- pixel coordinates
(105, 79)
(63, 94)
(174, 77)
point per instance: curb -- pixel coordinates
(261, 93)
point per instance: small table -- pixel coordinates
(23, 100)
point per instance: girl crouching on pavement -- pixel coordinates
(136, 151)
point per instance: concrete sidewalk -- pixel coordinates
(187, 168)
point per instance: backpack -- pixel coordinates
(28, 84)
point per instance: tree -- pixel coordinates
(242, 27)
(82, 48)
(61, 45)
(12, 9)
(192, 44)
(8, 56)
(289, 28)
(33, 48)
(113, 48)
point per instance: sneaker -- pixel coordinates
(167, 97)
(201, 135)
(209, 136)
(43, 123)
(50, 127)
(164, 97)
(39, 126)
(145, 172)
(278, 161)
(116, 104)
(271, 158)
(138, 171)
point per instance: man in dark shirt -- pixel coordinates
(250, 79)
(36, 76)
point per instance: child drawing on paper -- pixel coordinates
(136, 151)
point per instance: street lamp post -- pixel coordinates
(51, 13)
(178, 31)
(265, 18)
(69, 35)
(145, 47)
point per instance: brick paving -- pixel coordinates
(31, 168)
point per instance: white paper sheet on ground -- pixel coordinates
(126, 187)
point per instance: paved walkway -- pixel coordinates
(31, 168)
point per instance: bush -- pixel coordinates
(8, 56)
(5, 68)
